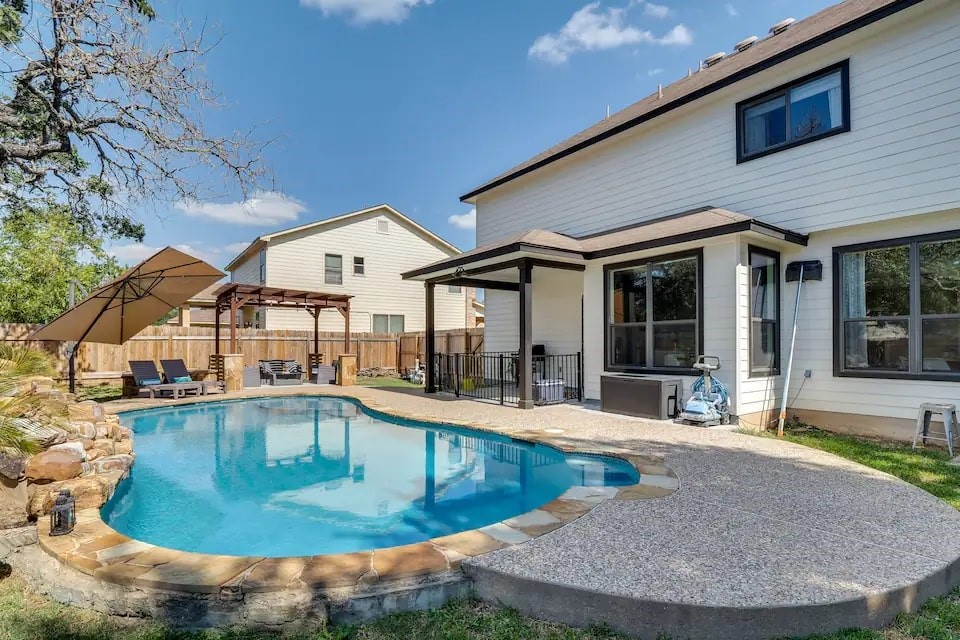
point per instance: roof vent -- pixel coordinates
(746, 43)
(781, 26)
(714, 59)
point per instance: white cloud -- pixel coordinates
(594, 29)
(464, 220)
(731, 10)
(262, 209)
(654, 72)
(236, 247)
(678, 36)
(656, 10)
(366, 11)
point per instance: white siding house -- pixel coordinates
(871, 155)
(361, 254)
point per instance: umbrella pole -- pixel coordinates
(72, 367)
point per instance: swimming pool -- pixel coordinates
(299, 476)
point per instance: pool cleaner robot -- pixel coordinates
(710, 403)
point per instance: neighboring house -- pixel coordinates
(361, 254)
(199, 310)
(835, 138)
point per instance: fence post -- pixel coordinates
(579, 377)
(456, 374)
(500, 357)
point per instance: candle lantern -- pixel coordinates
(63, 515)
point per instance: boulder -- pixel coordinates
(123, 446)
(12, 468)
(52, 466)
(88, 443)
(121, 433)
(71, 446)
(91, 492)
(84, 429)
(88, 411)
(104, 429)
(119, 462)
(93, 454)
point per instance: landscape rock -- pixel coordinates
(88, 410)
(123, 446)
(43, 434)
(91, 492)
(71, 446)
(88, 443)
(84, 429)
(53, 466)
(121, 433)
(12, 467)
(120, 462)
(104, 429)
(93, 454)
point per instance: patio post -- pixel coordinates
(216, 328)
(233, 323)
(525, 377)
(430, 343)
(346, 327)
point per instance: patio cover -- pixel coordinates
(118, 310)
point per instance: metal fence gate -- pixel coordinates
(495, 376)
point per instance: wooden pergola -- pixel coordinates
(234, 296)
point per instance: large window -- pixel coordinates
(383, 323)
(803, 111)
(899, 308)
(263, 266)
(332, 269)
(653, 314)
(764, 312)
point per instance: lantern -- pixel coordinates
(63, 515)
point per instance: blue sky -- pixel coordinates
(414, 102)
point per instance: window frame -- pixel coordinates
(656, 370)
(383, 226)
(326, 269)
(914, 334)
(843, 66)
(764, 372)
(454, 289)
(362, 265)
(263, 266)
(389, 317)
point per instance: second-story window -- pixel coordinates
(263, 266)
(332, 269)
(803, 111)
(358, 266)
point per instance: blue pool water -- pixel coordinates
(305, 476)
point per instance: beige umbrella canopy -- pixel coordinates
(120, 309)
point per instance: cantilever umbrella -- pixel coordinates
(120, 309)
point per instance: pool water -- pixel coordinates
(307, 476)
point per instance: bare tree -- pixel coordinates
(96, 113)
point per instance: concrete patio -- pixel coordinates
(763, 539)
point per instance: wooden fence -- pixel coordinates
(103, 362)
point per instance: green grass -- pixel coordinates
(26, 616)
(100, 393)
(387, 382)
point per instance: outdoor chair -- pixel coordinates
(176, 372)
(147, 379)
(281, 372)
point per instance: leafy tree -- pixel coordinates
(96, 114)
(41, 251)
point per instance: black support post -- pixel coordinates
(430, 344)
(526, 335)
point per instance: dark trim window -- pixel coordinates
(358, 266)
(808, 109)
(263, 266)
(454, 288)
(383, 323)
(897, 308)
(764, 312)
(653, 313)
(332, 269)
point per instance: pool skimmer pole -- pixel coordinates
(796, 272)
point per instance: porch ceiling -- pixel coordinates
(558, 250)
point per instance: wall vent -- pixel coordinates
(746, 43)
(781, 26)
(714, 59)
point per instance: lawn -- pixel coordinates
(100, 393)
(25, 616)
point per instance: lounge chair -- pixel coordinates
(176, 371)
(147, 379)
(281, 372)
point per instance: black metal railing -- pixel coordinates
(495, 376)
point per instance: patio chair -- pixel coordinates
(281, 372)
(147, 379)
(176, 372)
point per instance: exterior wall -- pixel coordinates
(297, 260)
(248, 271)
(901, 157)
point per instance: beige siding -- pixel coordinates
(902, 156)
(297, 261)
(248, 271)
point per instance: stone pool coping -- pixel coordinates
(96, 549)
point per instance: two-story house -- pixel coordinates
(665, 231)
(361, 254)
